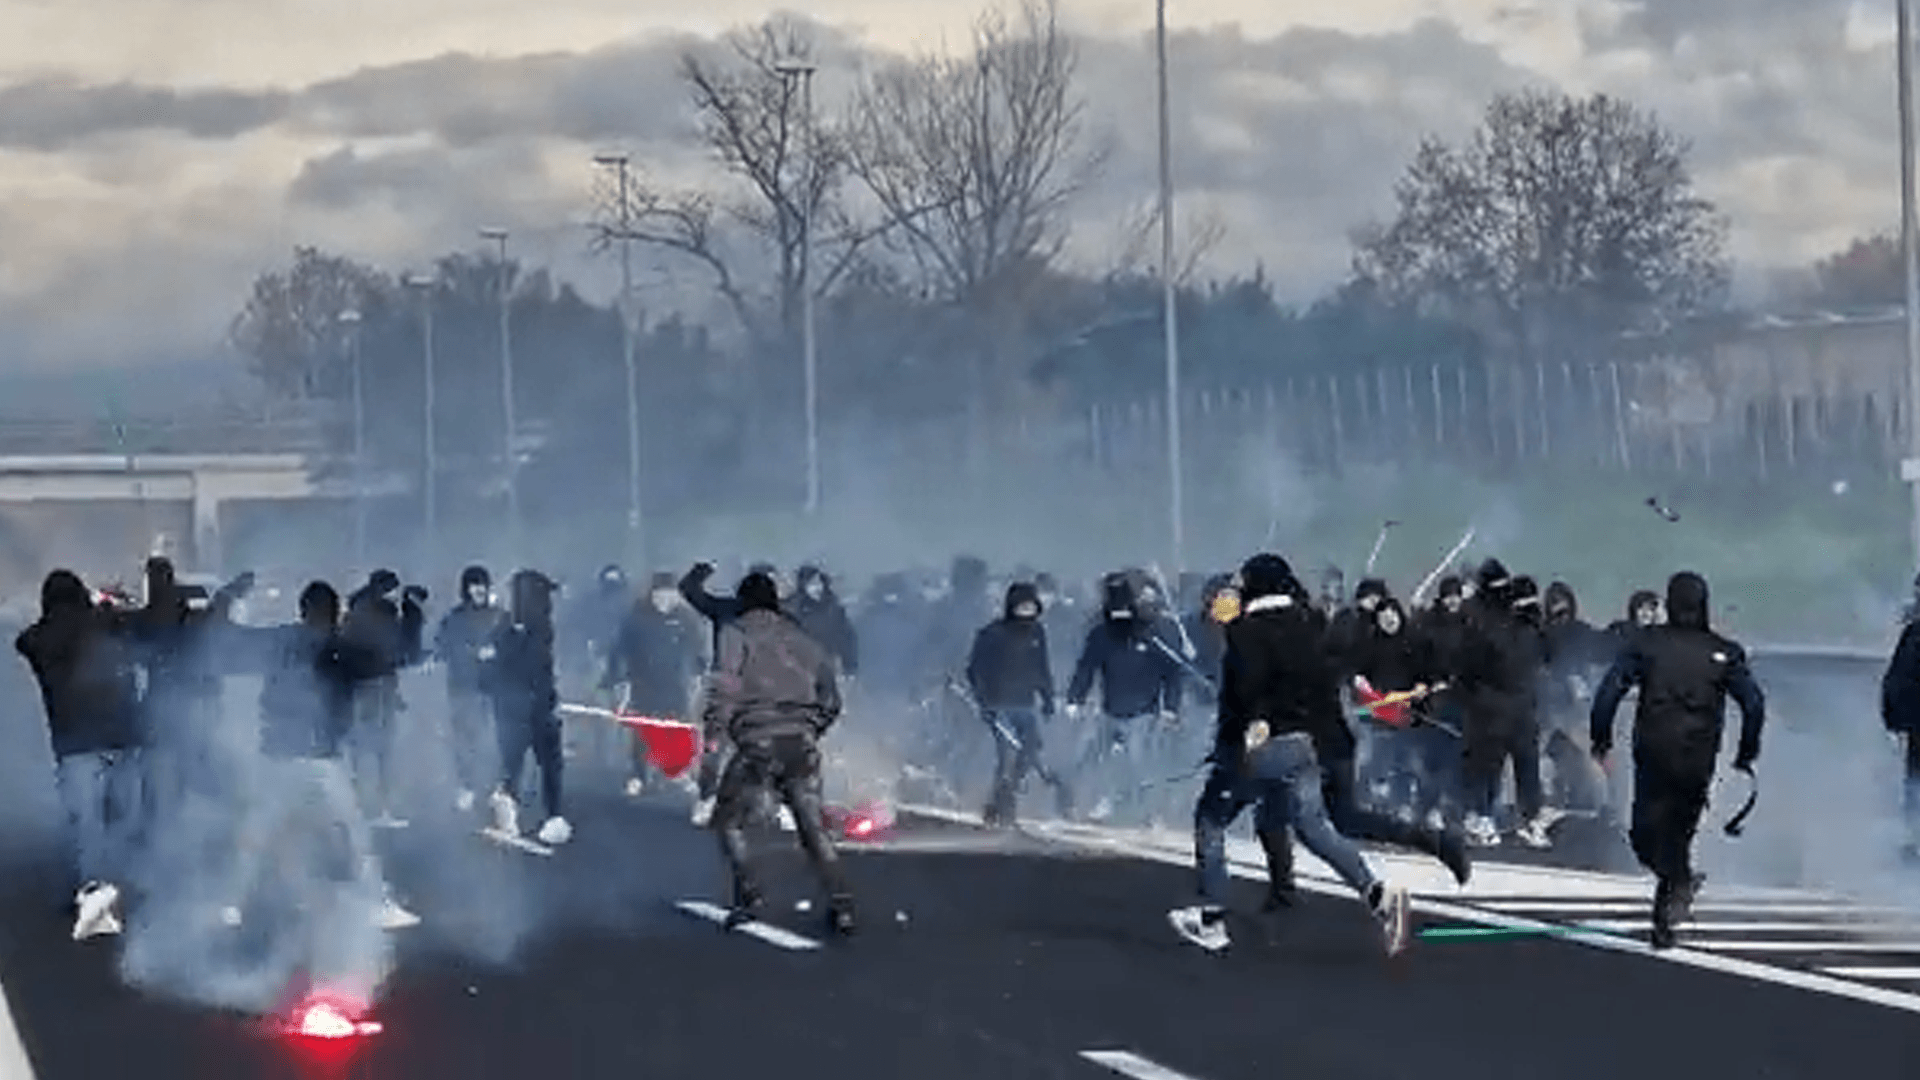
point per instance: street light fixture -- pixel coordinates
(430, 467)
(620, 164)
(499, 236)
(350, 319)
(804, 71)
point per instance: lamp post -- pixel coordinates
(636, 552)
(350, 319)
(512, 462)
(1910, 251)
(809, 359)
(1176, 493)
(430, 443)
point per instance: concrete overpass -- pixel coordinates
(184, 495)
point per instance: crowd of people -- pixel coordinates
(1341, 718)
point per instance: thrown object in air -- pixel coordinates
(1662, 509)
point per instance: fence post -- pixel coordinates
(1439, 411)
(1620, 417)
(1339, 429)
(1541, 412)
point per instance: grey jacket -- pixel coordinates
(770, 679)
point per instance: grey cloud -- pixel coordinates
(54, 114)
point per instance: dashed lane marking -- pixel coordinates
(772, 935)
(14, 1064)
(513, 840)
(1127, 1063)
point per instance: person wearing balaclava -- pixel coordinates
(821, 614)
(1576, 656)
(519, 676)
(1685, 673)
(84, 662)
(1139, 684)
(587, 627)
(776, 694)
(1279, 700)
(392, 631)
(1010, 675)
(653, 665)
(1900, 712)
(1500, 680)
(466, 629)
(304, 801)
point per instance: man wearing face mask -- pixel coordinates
(820, 613)
(1500, 673)
(391, 631)
(1010, 676)
(1139, 683)
(656, 657)
(463, 632)
(1685, 672)
(519, 676)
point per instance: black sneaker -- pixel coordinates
(1663, 936)
(747, 902)
(1684, 896)
(840, 919)
(1281, 896)
(1450, 847)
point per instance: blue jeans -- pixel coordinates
(1282, 781)
(102, 795)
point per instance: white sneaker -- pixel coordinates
(635, 787)
(506, 814)
(555, 831)
(96, 916)
(1394, 913)
(1533, 834)
(785, 817)
(230, 916)
(1481, 831)
(1205, 927)
(463, 802)
(392, 916)
(702, 813)
(1102, 810)
(1550, 816)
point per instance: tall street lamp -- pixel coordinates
(636, 553)
(350, 319)
(809, 361)
(1176, 510)
(423, 286)
(499, 237)
(1910, 250)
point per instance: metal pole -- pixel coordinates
(1176, 494)
(636, 550)
(359, 448)
(499, 236)
(430, 482)
(809, 356)
(1910, 249)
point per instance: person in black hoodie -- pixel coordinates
(1010, 675)
(84, 664)
(390, 630)
(1576, 655)
(776, 694)
(466, 629)
(655, 659)
(1900, 712)
(519, 677)
(182, 694)
(1280, 698)
(1685, 672)
(1140, 684)
(1499, 677)
(821, 614)
(305, 803)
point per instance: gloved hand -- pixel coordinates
(1743, 764)
(1601, 750)
(704, 569)
(415, 593)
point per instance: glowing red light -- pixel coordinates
(324, 1020)
(863, 827)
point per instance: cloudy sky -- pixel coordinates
(156, 154)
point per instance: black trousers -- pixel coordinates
(790, 766)
(1667, 804)
(1490, 745)
(539, 733)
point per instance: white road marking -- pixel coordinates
(1643, 925)
(1904, 948)
(510, 840)
(1131, 1064)
(1755, 907)
(1686, 957)
(1894, 974)
(772, 935)
(14, 1063)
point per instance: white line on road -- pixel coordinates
(1624, 907)
(1892, 974)
(1894, 948)
(14, 1064)
(772, 935)
(1628, 926)
(1130, 1064)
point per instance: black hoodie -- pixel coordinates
(825, 619)
(464, 631)
(519, 672)
(1685, 673)
(656, 654)
(1009, 666)
(310, 670)
(84, 665)
(1137, 675)
(1278, 667)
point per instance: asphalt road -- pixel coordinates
(980, 956)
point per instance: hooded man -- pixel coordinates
(390, 631)
(1280, 697)
(84, 664)
(1576, 655)
(182, 695)
(775, 694)
(1139, 679)
(819, 612)
(519, 677)
(1010, 675)
(1685, 672)
(656, 659)
(1499, 679)
(464, 631)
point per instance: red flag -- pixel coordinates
(1390, 709)
(672, 745)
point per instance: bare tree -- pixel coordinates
(290, 327)
(1562, 221)
(1138, 238)
(788, 168)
